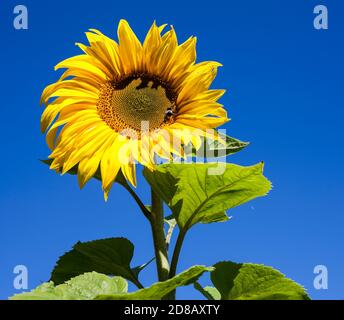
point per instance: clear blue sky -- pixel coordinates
(285, 95)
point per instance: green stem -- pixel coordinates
(176, 252)
(137, 283)
(157, 224)
(143, 208)
(175, 258)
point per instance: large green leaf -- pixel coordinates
(160, 289)
(83, 287)
(195, 194)
(247, 281)
(212, 148)
(110, 256)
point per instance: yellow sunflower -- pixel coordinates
(122, 103)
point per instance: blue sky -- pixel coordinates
(284, 82)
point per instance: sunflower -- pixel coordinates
(119, 104)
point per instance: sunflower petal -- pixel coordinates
(130, 48)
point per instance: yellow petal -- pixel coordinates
(83, 151)
(50, 138)
(203, 108)
(89, 165)
(54, 108)
(130, 48)
(129, 172)
(110, 163)
(201, 122)
(199, 80)
(87, 64)
(167, 51)
(182, 60)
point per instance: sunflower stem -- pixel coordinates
(143, 208)
(175, 258)
(137, 283)
(176, 253)
(160, 248)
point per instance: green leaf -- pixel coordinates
(196, 194)
(210, 293)
(236, 281)
(83, 287)
(212, 148)
(110, 256)
(160, 289)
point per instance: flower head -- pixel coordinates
(121, 103)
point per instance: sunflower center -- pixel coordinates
(127, 103)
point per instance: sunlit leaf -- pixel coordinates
(110, 256)
(203, 192)
(160, 289)
(248, 281)
(213, 148)
(83, 287)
